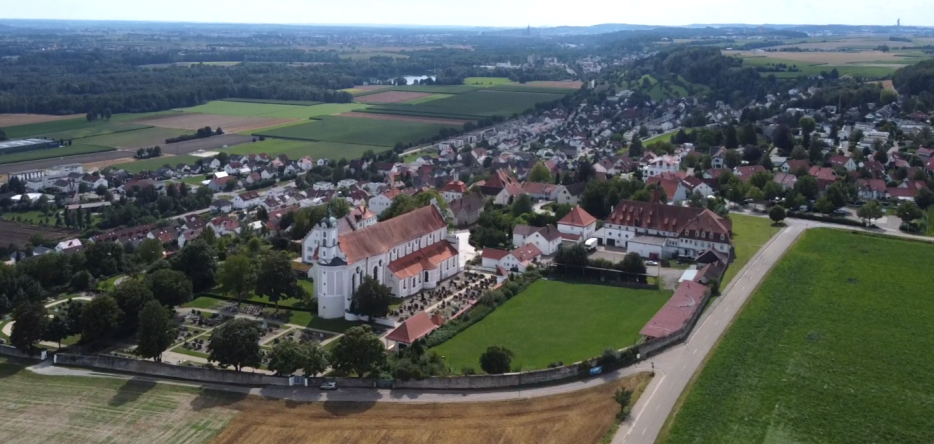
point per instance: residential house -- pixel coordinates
(467, 210)
(661, 164)
(541, 191)
(454, 190)
(792, 165)
(825, 176)
(871, 189)
(547, 239)
(674, 188)
(570, 194)
(66, 245)
(382, 201)
(786, 180)
(655, 230)
(695, 185)
(843, 162)
(502, 188)
(517, 260)
(577, 226)
(248, 199)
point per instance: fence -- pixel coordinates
(168, 371)
(13, 352)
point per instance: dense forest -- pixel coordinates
(917, 80)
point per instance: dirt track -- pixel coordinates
(581, 417)
(405, 118)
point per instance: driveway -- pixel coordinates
(467, 251)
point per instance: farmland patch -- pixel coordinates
(833, 348)
(393, 97)
(141, 138)
(230, 124)
(273, 111)
(19, 234)
(65, 151)
(403, 118)
(579, 417)
(358, 131)
(7, 120)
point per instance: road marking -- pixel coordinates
(716, 323)
(695, 352)
(647, 402)
(643, 430)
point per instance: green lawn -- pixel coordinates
(140, 138)
(2, 335)
(834, 347)
(108, 284)
(32, 217)
(277, 111)
(749, 234)
(108, 127)
(59, 126)
(557, 321)
(156, 163)
(59, 409)
(204, 302)
(185, 351)
(430, 98)
(411, 157)
(811, 68)
(51, 153)
(481, 103)
(274, 102)
(360, 131)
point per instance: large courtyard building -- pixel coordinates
(659, 231)
(408, 253)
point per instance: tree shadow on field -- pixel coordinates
(10, 367)
(130, 391)
(208, 399)
(347, 408)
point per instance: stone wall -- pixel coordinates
(13, 352)
(103, 362)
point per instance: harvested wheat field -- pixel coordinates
(392, 97)
(581, 417)
(26, 119)
(830, 58)
(402, 118)
(230, 124)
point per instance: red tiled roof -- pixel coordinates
(664, 217)
(379, 238)
(677, 311)
(669, 185)
(493, 253)
(427, 258)
(455, 186)
(570, 237)
(578, 218)
(526, 253)
(822, 173)
(413, 329)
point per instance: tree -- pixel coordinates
(262, 214)
(171, 288)
(237, 277)
(315, 359)
(208, 236)
(522, 205)
(540, 173)
(908, 211)
(131, 295)
(286, 357)
(836, 194)
(807, 187)
(371, 299)
(632, 263)
(782, 138)
(887, 96)
(777, 213)
(575, 256)
(924, 199)
(99, 318)
(107, 113)
(496, 359)
(755, 194)
(81, 281)
(748, 135)
(149, 250)
(156, 331)
(732, 159)
(761, 179)
(236, 343)
(30, 320)
(197, 260)
(823, 206)
(870, 211)
(275, 279)
(56, 330)
(358, 352)
(635, 147)
(732, 141)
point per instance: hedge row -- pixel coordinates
(829, 219)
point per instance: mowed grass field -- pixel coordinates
(878, 68)
(66, 151)
(158, 162)
(37, 409)
(359, 131)
(272, 110)
(581, 417)
(750, 233)
(69, 129)
(140, 138)
(557, 321)
(834, 347)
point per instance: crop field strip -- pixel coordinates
(140, 138)
(8, 120)
(833, 348)
(579, 417)
(274, 111)
(73, 150)
(273, 102)
(230, 124)
(356, 131)
(477, 104)
(557, 321)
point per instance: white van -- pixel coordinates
(591, 244)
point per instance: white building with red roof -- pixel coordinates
(517, 260)
(578, 225)
(454, 190)
(660, 231)
(408, 253)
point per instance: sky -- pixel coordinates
(496, 13)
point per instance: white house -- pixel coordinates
(547, 239)
(578, 225)
(408, 253)
(383, 200)
(454, 190)
(517, 260)
(659, 165)
(67, 245)
(693, 184)
(248, 199)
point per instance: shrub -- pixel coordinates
(468, 371)
(556, 364)
(608, 356)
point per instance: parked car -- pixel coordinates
(651, 263)
(329, 386)
(591, 244)
(840, 212)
